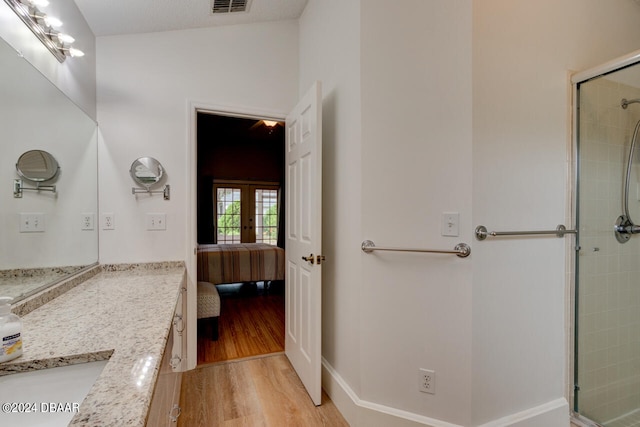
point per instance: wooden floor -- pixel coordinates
(251, 323)
(256, 392)
(243, 378)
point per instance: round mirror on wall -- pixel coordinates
(37, 166)
(146, 171)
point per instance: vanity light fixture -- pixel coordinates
(35, 3)
(44, 27)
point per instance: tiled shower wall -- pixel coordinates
(608, 272)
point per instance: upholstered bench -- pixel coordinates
(209, 306)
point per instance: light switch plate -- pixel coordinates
(156, 221)
(32, 223)
(450, 224)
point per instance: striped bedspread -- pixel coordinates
(245, 262)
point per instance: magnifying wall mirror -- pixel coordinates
(147, 171)
(37, 166)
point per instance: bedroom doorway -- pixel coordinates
(240, 184)
(303, 212)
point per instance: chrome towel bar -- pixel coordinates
(560, 231)
(462, 249)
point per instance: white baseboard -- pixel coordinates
(358, 412)
(551, 414)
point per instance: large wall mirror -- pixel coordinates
(36, 115)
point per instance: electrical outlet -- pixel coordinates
(108, 221)
(87, 221)
(427, 381)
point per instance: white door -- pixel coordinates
(304, 240)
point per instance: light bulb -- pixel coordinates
(75, 53)
(65, 38)
(60, 37)
(51, 21)
(270, 123)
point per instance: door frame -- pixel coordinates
(191, 233)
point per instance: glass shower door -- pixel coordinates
(607, 310)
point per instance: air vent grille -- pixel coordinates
(228, 6)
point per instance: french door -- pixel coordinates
(246, 212)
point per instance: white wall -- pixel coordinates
(76, 77)
(522, 53)
(145, 84)
(334, 57)
(493, 326)
(416, 157)
(397, 112)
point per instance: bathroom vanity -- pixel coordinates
(128, 315)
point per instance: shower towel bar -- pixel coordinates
(560, 231)
(462, 249)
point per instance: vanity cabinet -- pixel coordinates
(165, 404)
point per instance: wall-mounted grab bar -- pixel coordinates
(560, 231)
(462, 249)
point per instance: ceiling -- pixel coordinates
(112, 17)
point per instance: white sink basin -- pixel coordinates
(46, 397)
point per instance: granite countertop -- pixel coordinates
(122, 316)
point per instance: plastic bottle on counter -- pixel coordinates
(10, 331)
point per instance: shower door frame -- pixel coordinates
(576, 79)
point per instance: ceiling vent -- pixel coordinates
(228, 6)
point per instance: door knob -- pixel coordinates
(320, 258)
(309, 258)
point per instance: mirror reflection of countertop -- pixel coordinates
(20, 283)
(123, 316)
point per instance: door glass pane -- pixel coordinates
(607, 362)
(228, 211)
(267, 216)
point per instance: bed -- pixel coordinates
(238, 263)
